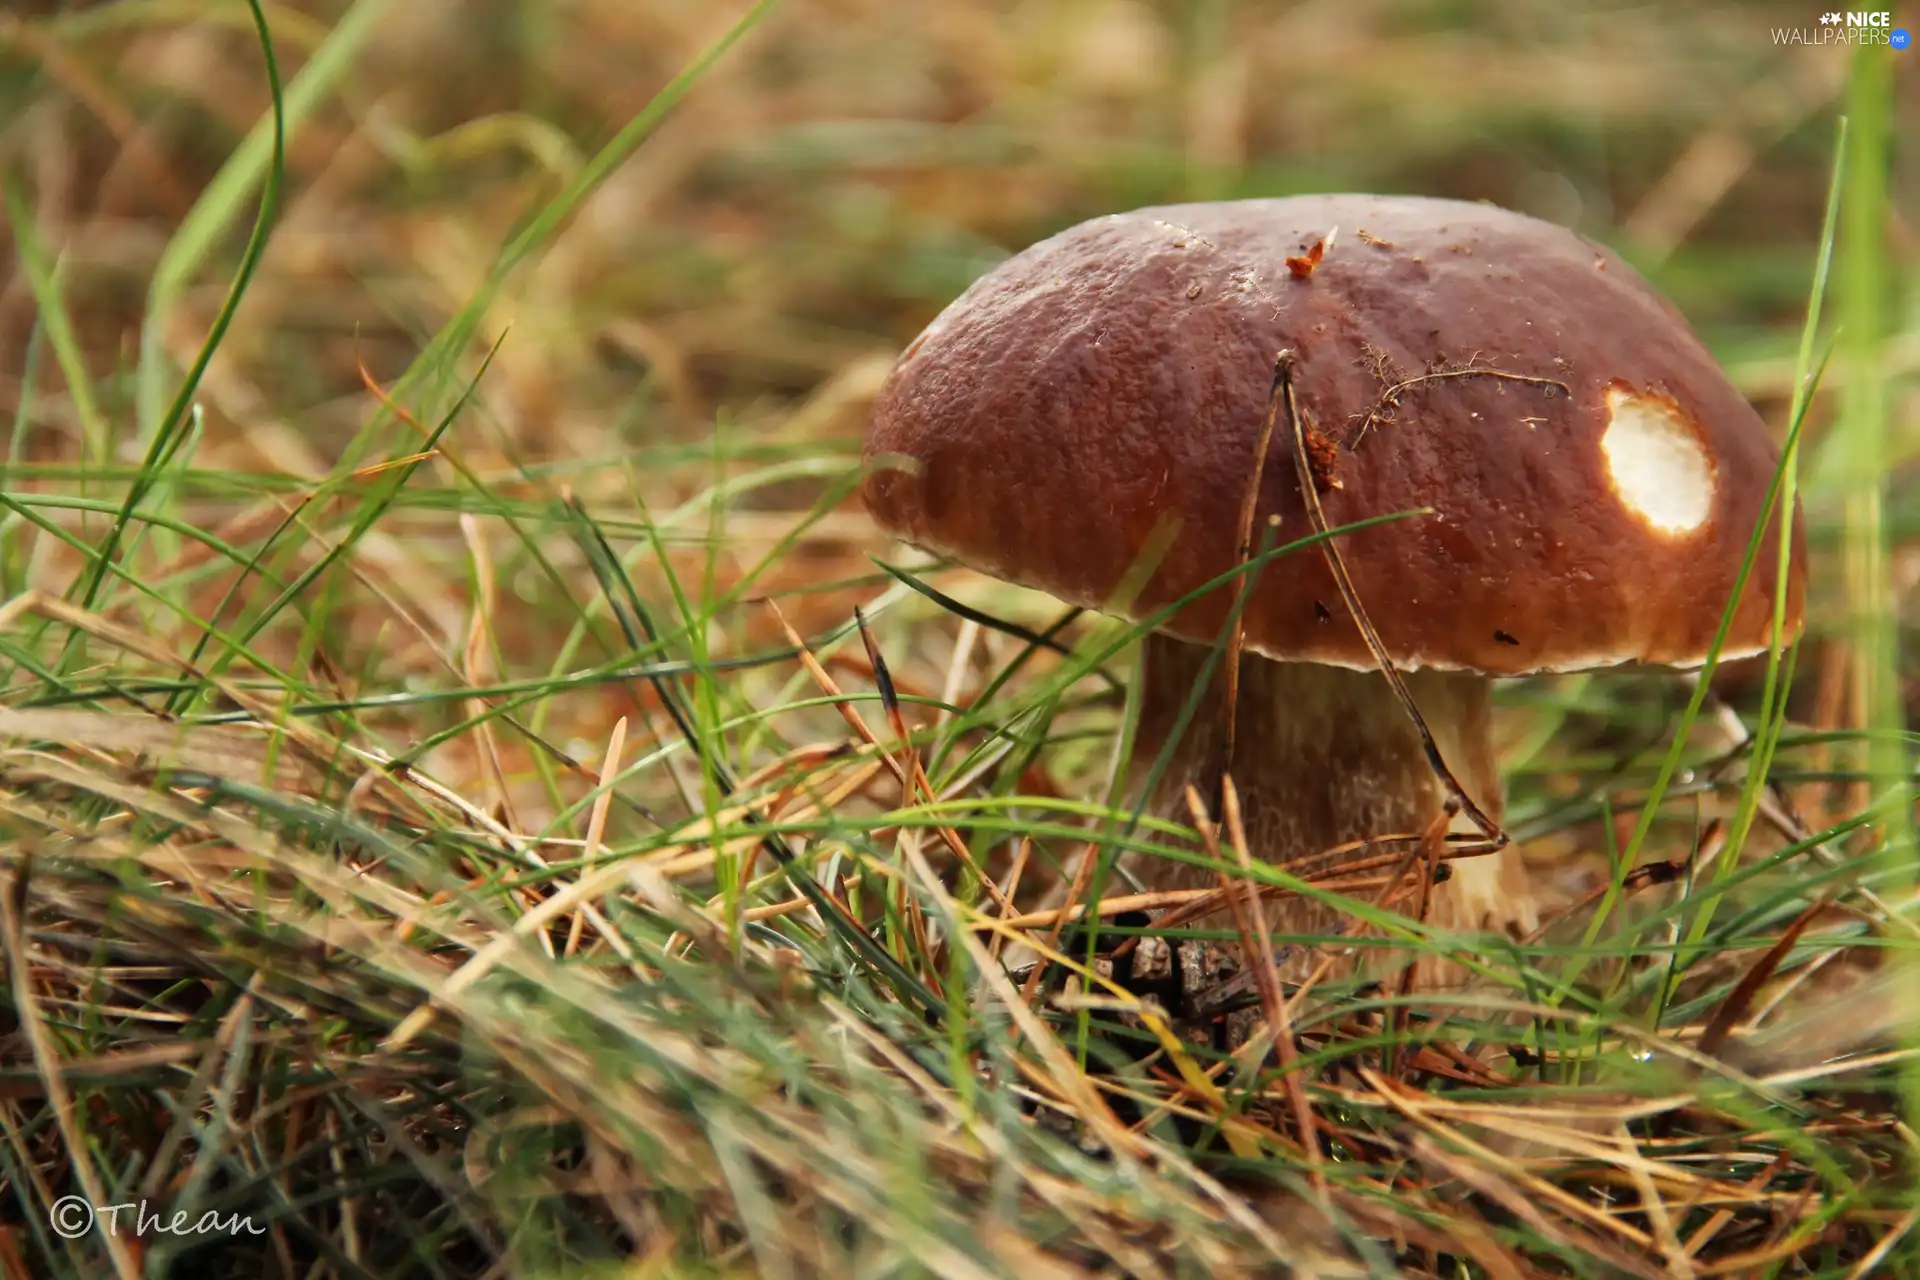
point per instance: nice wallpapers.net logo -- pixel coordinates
(1847, 27)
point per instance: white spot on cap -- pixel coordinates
(1658, 468)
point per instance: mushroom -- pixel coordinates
(1592, 477)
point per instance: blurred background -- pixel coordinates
(852, 165)
(729, 297)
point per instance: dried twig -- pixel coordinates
(1496, 837)
(597, 820)
(1243, 554)
(1382, 411)
(1272, 998)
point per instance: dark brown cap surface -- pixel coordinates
(1111, 382)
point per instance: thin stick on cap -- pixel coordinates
(1496, 836)
(1243, 549)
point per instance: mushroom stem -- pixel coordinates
(1326, 756)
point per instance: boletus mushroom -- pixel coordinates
(1592, 478)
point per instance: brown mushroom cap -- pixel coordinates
(1116, 376)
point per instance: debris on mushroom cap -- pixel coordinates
(1593, 476)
